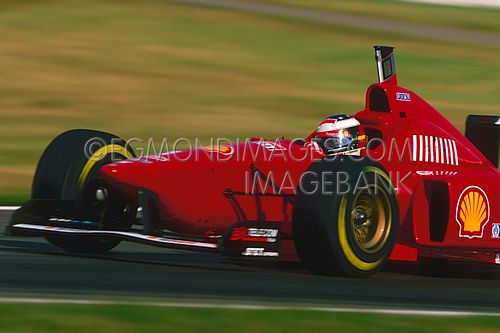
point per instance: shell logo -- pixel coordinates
(473, 212)
(222, 149)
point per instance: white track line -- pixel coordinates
(462, 3)
(388, 311)
(9, 208)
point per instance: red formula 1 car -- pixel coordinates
(395, 182)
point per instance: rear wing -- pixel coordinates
(384, 56)
(484, 133)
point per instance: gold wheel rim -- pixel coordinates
(370, 219)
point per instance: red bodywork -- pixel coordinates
(436, 170)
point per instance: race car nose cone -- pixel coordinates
(119, 171)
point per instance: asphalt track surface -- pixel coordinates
(437, 33)
(30, 267)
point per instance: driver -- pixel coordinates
(338, 134)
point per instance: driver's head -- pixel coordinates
(338, 133)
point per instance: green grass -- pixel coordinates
(24, 318)
(154, 69)
(14, 197)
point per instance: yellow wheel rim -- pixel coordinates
(370, 219)
(344, 219)
(97, 156)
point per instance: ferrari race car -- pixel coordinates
(394, 182)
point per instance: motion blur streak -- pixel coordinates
(208, 305)
(354, 21)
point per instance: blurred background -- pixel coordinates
(170, 69)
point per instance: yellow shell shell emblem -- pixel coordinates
(473, 212)
(222, 149)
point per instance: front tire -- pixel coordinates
(348, 231)
(68, 165)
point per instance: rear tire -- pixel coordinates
(342, 231)
(67, 166)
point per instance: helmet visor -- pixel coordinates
(339, 141)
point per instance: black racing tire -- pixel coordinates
(347, 224)
(84, 245)
(68, 164)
